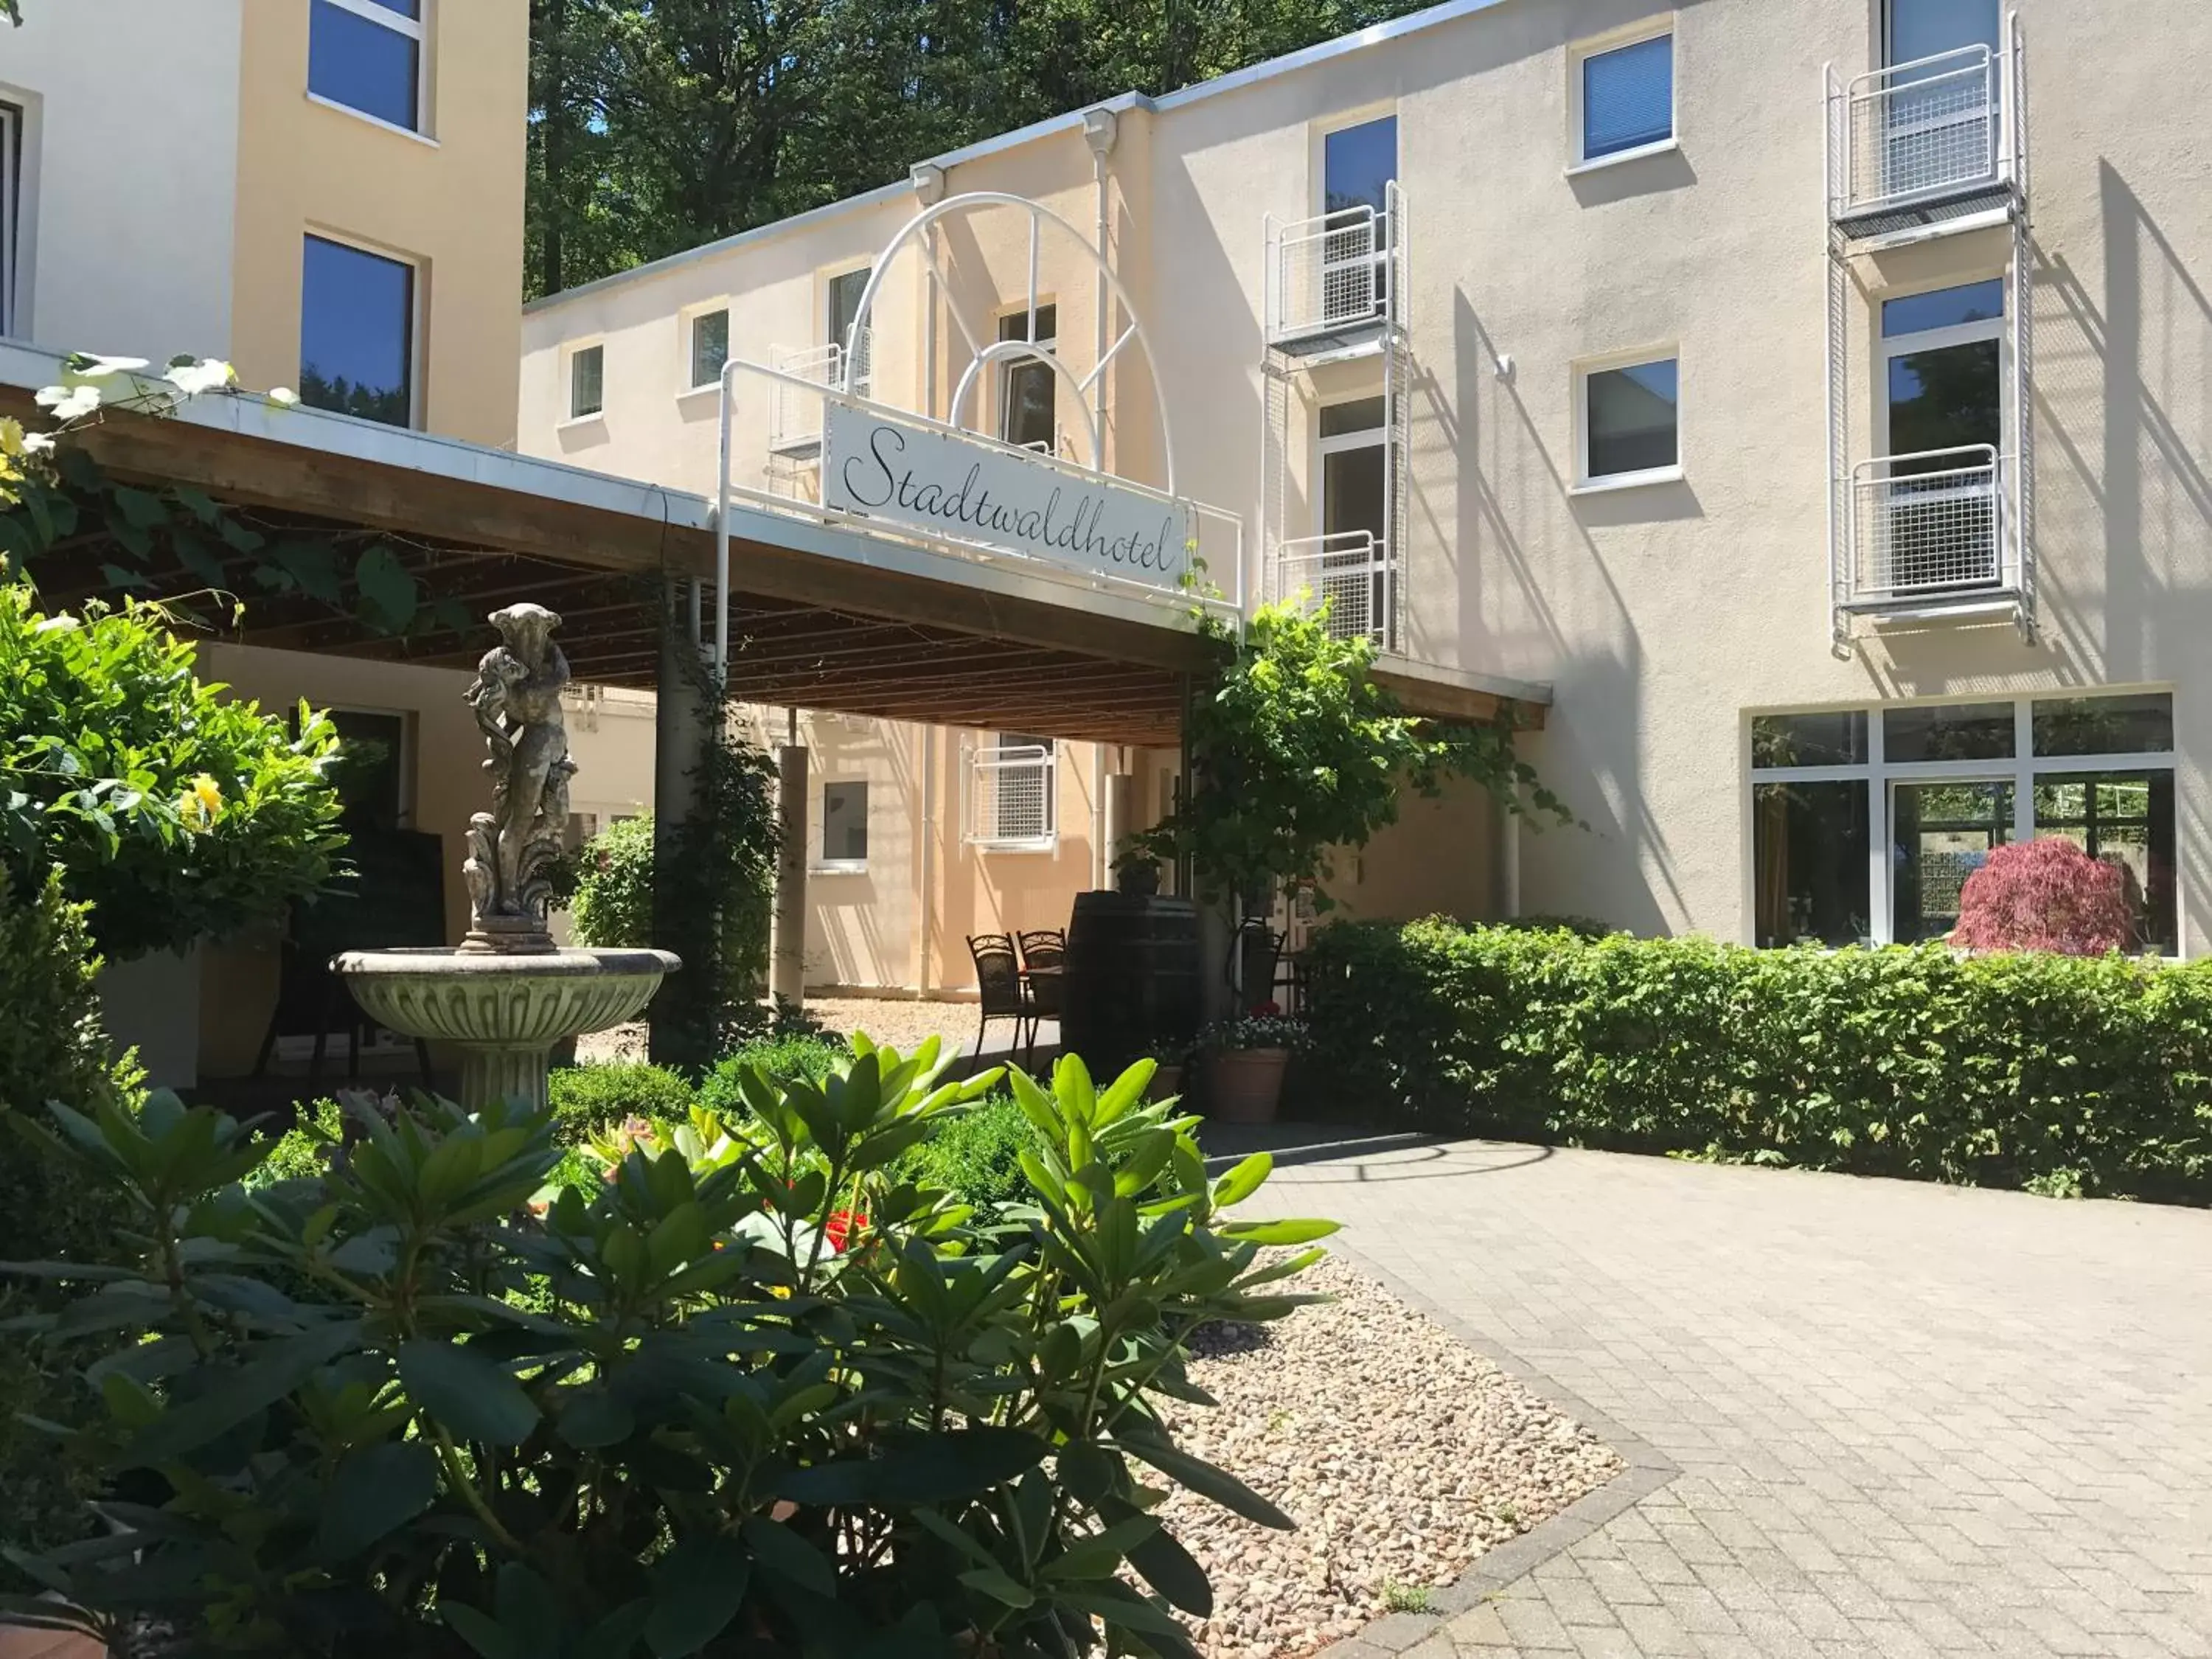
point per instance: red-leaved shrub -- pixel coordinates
(2047, 895)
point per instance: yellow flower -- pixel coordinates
(11, 437)
(200, 805)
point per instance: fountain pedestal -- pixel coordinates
(505, 1014)
(509, 995)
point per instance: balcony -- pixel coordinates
(794, 421)
(1930, 532)
(1926, 147)
(1012, 797)
(1352, 572)
(1333, 280)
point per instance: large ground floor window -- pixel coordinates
(1866, 823)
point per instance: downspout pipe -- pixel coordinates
(1100, 128)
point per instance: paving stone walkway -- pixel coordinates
(1867, 1418)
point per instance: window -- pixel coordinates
(1013, 793)
(367, 56)
(1867, 823)
(357, 333)
(370, 770)
(587, 381)
(1351, 567)
(844, 826)
(1028, 388)
(710, 347)
(1623, 99)
(11, 180)
(844, 311)
(1941, 424)
(1629, 422)
(1914, 29)
(1359, 165)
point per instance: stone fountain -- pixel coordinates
(508, 995)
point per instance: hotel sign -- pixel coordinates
(882, 467)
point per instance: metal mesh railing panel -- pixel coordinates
(1921, 132)
(1928, 532)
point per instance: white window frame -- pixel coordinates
(418, 308)
(409, 750)
(12, 124)
(830, 280)
(1372, 437)
(1047, 347)
(1891, 347)
(687, 337)
(823, 864)
(2020, 768)
(414, 28)
(994, 757)
(570, 354)
(1584, 484)
(1579, 160)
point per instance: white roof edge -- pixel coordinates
(251, 414)
(1321, 52)
(667, 263)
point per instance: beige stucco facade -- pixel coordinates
(1667, 614)
(169, 216)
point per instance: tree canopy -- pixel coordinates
(660, 124)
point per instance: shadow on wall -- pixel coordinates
(1589, 751)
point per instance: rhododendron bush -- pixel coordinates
(2048, 895)
(749, 1394)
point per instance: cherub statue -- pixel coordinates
(516, 696)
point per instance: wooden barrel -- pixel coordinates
(1133, 978)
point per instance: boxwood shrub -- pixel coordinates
(2057, 1073)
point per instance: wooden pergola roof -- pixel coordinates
(808, 628)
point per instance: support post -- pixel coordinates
(1121, 816)
(787, 971)
(683, 1014)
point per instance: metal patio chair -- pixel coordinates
(1005, 993)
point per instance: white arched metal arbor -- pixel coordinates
(984, 351)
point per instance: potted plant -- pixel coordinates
(1168, 1056)
(1245, 1058)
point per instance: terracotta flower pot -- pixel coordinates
(1167, 1081)
(1245, 1085)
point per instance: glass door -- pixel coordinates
(1359, 165)
(1941, 832)
(1939, 126)
(1354, 565)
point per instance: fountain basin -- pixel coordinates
(506, 1013)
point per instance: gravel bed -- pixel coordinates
(1401, 1453)
(902, 1022)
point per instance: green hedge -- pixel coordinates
(2058, 1073)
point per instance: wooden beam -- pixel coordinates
(1439, 700)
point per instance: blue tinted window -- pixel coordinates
(364, 64)
(405, 8)
(1358, 164)
(1628, 97)
(1916, 313)
(1632, 419)
(357, 333)
(1922, 28)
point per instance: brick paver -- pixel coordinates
(1902, 1419)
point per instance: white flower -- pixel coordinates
(283, 395)
(209, 374)
(55, 625)
(68, 403)
(94, 366)
(37, 443)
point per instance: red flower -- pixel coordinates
(1266, 1010)
(843, 1227)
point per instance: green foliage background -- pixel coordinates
(660, 124)
(2060, 1073)
(104, 727)
(51, 1047)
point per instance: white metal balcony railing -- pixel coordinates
(1012, 791)
(1929, 529)
(1335, 272)
(1352, 572)
(794, 421)
(1919, 133)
